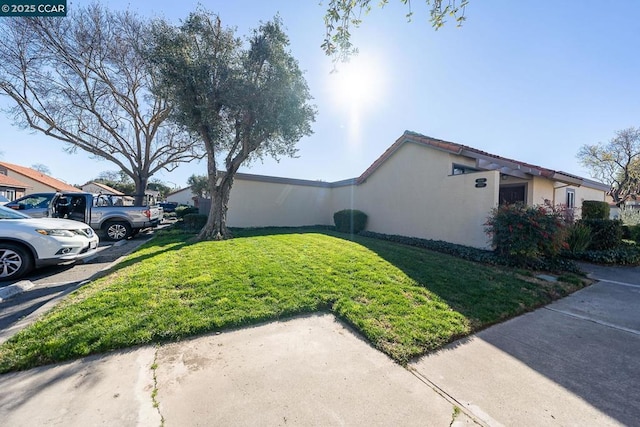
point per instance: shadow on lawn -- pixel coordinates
(575, 354)
(164, 242)
(483, 294)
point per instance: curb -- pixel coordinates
(15, 289)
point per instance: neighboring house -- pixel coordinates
(11, 188)
(99, 188)
(184, 196)
(420, 187)
(151, 196)
(36, 181)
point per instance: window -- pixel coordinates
(461, 169)
(510, 194)
(571, 199)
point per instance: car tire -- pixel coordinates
(15, 261)
(117, 230)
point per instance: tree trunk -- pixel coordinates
(216, 226)
(141, 188)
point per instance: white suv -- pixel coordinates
(27, 243)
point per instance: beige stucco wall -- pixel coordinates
(541, 189)
(182, 197)
(263, 204)
(414, 194)
(34, 186)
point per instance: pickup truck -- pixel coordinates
(104, 213)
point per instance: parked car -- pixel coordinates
(168, 206)
(103, 213)
(27, 243)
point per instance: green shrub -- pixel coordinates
(181, 211)
(592, 209)
(605, 233)
(634, 233)
(578, 237)
(194, 221)
(350, 221)
(524, 231)
(479, 255)
(622, 255)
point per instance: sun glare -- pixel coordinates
(358, 84)
(357, 88)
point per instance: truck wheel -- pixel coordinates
(117, 230)
(15, 261)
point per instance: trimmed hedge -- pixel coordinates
(350, 221)
(622, 255)
(592, 209)
(194, 221)
(556, 264)
(181, 211)
(605, 233)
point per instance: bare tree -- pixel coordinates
(616, 163)
(42, 168)
(83, 80)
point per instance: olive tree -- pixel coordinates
(84, 81)
(244, 100)
(342, 15)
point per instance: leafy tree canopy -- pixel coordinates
(244, 100)
(343, 15)
(616, 163)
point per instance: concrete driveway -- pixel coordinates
(574, 362)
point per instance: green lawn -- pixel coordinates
(404, 300)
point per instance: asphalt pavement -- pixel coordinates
(573, 362)
(23, 301)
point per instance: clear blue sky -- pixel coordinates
(530, 80)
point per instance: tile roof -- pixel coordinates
(484, 160)
(105, 187)
(7, 181)
(40, 177)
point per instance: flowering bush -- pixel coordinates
(524, 231)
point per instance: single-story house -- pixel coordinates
(100, 188)
(36, 181)
(183, 196)
(11, 188)
(420, 187)
(151, 196)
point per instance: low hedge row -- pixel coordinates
(625, 254)
(480, 255)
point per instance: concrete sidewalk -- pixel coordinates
(574, 362)
(306, 371)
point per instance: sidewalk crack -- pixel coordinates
(154, 392)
